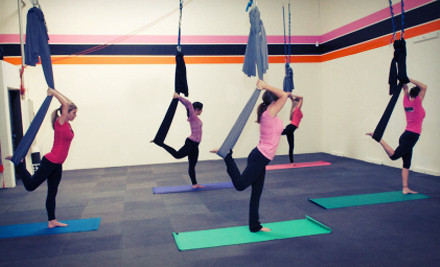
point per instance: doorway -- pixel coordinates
(16, 120)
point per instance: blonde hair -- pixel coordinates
(55, 114)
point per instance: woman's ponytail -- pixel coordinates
(268, 98)
(55, 116)
(260, 110)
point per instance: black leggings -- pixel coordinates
(47, 171)
(288, 132)
(190, 149)
(407, 141)
(253, 174)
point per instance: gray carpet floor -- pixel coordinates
(137, 225)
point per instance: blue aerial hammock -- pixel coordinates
(288, 85)
(180, 86)
(36, 45)
(398, 76)
(255, 60)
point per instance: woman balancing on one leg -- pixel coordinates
(270, 133)
(51, 165)
(412, 104)
(295, 118)
(191, 146)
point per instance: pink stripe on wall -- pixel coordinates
(371, 19)
(9, 38)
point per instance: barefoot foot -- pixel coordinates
(55, 223)
(214, 150)
(370, 134)
(265, 229)
(406, 190)
(196, 186)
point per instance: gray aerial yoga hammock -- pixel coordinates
(36, 45)
(255, 60)
(180, 86)
(397, 73)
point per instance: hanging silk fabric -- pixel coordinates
(180, 86)
(255, 60)
(36, 46)
(397, 77)
(288, 85)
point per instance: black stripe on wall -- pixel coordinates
(164, 50)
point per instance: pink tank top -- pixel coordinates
(270, 134)
(415, 113)
(62, 138)
(296, 117)
(194, 122)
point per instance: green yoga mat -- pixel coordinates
(241, 234)
(365, 199)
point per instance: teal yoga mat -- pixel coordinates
(365, 199)
(34, 229)
(241, 234)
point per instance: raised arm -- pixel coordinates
(65, 104)
(422, 87)
(282, 97)
(298, 106)
(405, 89)
(188, 105)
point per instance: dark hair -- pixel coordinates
(268, 98)
(60, 109)
(196, 105)
(414, 92)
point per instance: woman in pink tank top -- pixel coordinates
(191, 147)
(270, 132)
(415, 113)
(295, 118)
(50, 168)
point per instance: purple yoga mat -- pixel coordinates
(188, 188)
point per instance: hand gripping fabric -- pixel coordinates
(36, 46)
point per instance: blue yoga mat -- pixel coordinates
(34, 229)
(365, 199)
(188, 188)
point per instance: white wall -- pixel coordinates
(337, 13)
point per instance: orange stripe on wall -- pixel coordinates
(359, 48)
(296, 59)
